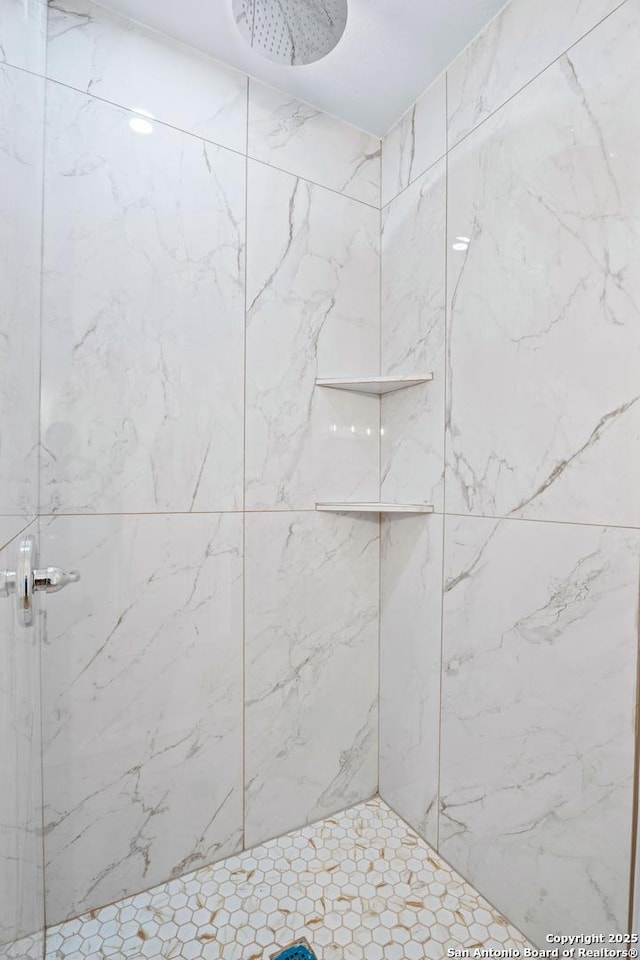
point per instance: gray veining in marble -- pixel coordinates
(410, 620)
(543, 415)
(413, 335)
(96, 51)
(416, 142)
(524, 39)
(308, 143)
(142, 704)
(21, 133)
(142, 364)
(311, 667)
(312, 311)
(538, 705)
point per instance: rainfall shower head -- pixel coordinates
(294, 32)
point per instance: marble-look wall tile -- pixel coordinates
(142, 704)
(544, 326)
(142, 366)
(21, 901)
(312, 311)
(521, 41)
(413, 329)
(304, 141)
(410, 607)
(311, 667)
(21, 134)
(537, 754)
(416, 141)
(98, 52)
(23, 27)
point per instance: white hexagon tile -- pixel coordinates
(28, 948)
(358, 886)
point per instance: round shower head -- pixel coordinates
(291, 31)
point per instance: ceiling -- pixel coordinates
(390, 52)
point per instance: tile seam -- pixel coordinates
(198, 136)
(502, 104)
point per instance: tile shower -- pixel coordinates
(234, 667)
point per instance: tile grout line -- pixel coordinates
(146, 28)
(415, 180)
(562, 523)
(18, 533)
(26, 70)
(497, 109)
(452, 868)
(244, 482)
(41, 617)
(203, 139)
(380, 518)
(608, 525)
(633, 878)
(214, 864)
(445, 371)
(535, 77)
(370, 814)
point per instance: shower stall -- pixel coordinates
(319, 513)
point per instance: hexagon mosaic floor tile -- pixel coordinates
(358, 886)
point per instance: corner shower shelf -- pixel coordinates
(376, 386)
(376, 507)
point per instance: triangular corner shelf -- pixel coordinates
(366, 507)
(374, 386)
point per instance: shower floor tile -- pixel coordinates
(358, 886)
(28, 948)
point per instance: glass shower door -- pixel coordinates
(21, 868)
(21, 149)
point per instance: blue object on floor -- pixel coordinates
(300, 950)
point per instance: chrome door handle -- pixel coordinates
(28, 579)
(52, 579)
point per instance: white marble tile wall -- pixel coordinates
(21, 132)
(97, 51)
(145, 473)
(539, 360)
(302, 140)
(151, 414)
(313, 295)
(143, 702)
(21, 867)
(413, 340)
(10, 527)
(525, 37)
(23, 34)
(412, 459)
(410, 637)
(311, 667)
(518, 44)
(416, 142)
(143, 315)
(538, 718)
(549, 432)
